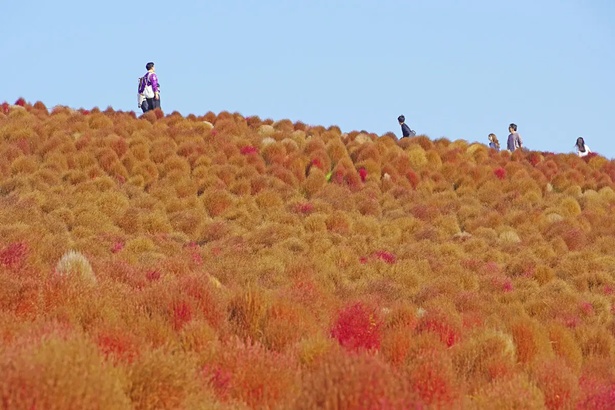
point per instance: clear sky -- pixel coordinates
(456, 69)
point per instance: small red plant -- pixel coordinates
(363, 174)
(117, 246)
(248, 149)
(21, 102)
(153, 275)
(590, 156)
(587, 308)
(500, 173)
(304, 208)
(338, 176)
(413, 178)
(316, 162)
(195, 255)
(117, 345)
(13, 255)
(385, 256)
(507, 286)
(182, 314)
(220, 379)
(358, 327)
(438, 323)
(534, 158)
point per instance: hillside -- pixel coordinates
(228, 262)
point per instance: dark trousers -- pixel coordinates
(150, 104)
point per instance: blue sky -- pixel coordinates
(456, 69)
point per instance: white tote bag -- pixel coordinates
(148, 91)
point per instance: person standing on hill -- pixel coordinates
(514, 139)
(493, 142)
(405, 130)
(149, 88)
(582, 149)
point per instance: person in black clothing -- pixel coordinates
(405, 130)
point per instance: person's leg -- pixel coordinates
(144, 105)
(155, 103)
(150, 104)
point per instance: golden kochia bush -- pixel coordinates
(513, 392)
(283, 174)
(174, 164)
(59, 372)
(188, 221)
(362, 380)
(217, 201)
(316, 179)
(247, 313)
(286, 323)
(284, 126)
(531, 340)
(484, 357)
(24, 165)
(162, 379)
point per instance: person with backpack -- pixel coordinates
(582, 149)
(405, 130)
(149, 89)
(514, 139)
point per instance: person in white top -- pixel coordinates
(582, 149)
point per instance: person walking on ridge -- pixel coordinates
(493, 142)
(149, 89)
(405, 130)
(582, 149)
(514, 139)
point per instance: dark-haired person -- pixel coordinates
(405, 130)
(582, 149)
(150, 89)
(514, 139)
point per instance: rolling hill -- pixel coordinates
(226, 262)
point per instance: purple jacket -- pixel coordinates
(150, 79)
(514, 141)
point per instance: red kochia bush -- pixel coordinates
(182, 314)
(248, 149)
(432, 376)
(445, 326)
(247, 372)
(13, 255)
(597, 385)
(358, 327)
(500, 173)
(557, 382)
